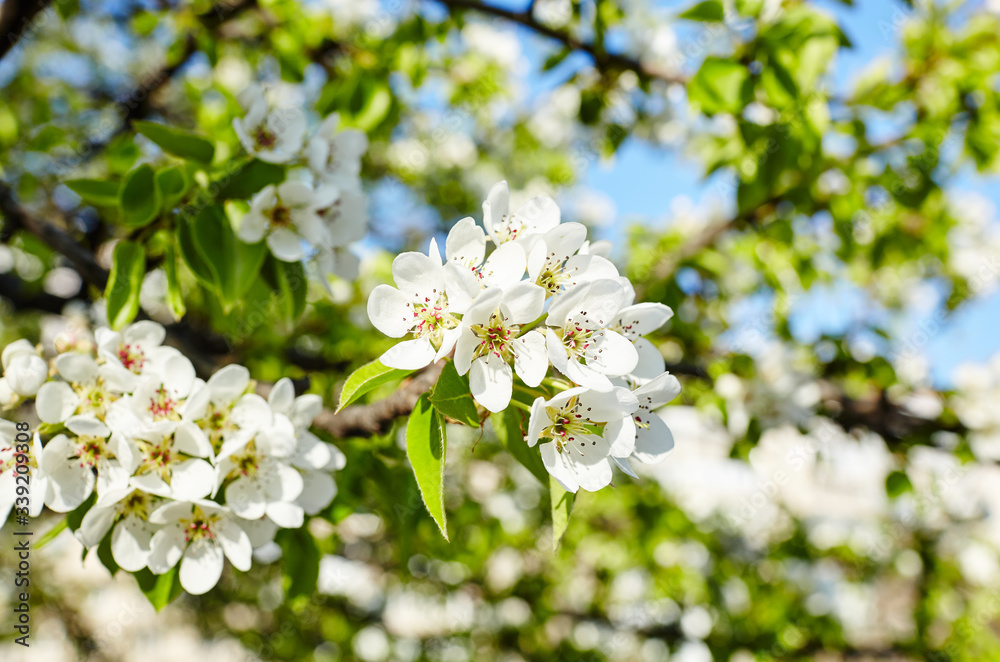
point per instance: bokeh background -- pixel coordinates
(811, 186)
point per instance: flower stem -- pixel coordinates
(521, 405)
(557, 383)
(530, 391)
(531, 325)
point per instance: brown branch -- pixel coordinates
(59, 240)
(377, 417)
(603, 60)
(17, 20)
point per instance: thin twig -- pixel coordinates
(603, 60)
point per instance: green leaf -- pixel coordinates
(105, 556)
(229, 264)
(507, 425)
(367, 377)
(51, 534)
(721, 86)
(710, 10)
(554, 60)
(194, 260)
(74, 518)
(160, 590)
(172, 184)
(128, 268)
(288, 280)
(250, 179)
(139, 199)
(376, 108)
(300, 561)
(452, 398)
(175, 296)
(897, 483)
(425, 447)
(178, 142)
(95, 191)
(562, 506)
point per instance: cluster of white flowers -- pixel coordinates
(977, 389)
(320, 210)
(544, 297)
(182, 470)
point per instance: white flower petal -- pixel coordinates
(286, 515)
(166, 548)
(650, 365)
(95, 524)
(201, 567)
(191, 479)
(285, 245)
(235, 543)
(531, 359)
(653, 439)
(74, 367)
(612, 354)
(505, 266)
(466, 243)
(318, 490)
(245, 498)
(390, 311)
(282, 396)
(409, 354)
(658, 392)
(56, 402)
(558, 465)
(130, 544)
(418, 276)
(491, 381)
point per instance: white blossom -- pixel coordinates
(582, 439)
(24, 371)
(271, 134)
(580, 343)
(419, 307)
(127, 510)
(490, 341)
(288, 216)
(538, 215)
(335, 155)
(198, 534)
(34, 477)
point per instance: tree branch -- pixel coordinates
(377, 417)
(16, 20)
(602, 59)
(60, 241)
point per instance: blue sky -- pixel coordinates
(642, 181)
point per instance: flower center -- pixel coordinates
(567, 424)
(216, 424)
(432, 319)
(137, 503)
(246, 464)
(495, 337)
(281, 216)
(199, 526)
(93, 399)
(91, 449)
(157, 457)
(552, 279)
(509, 228)
(265, 138)
(161, 405)
(578, 340)
(132, 357)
